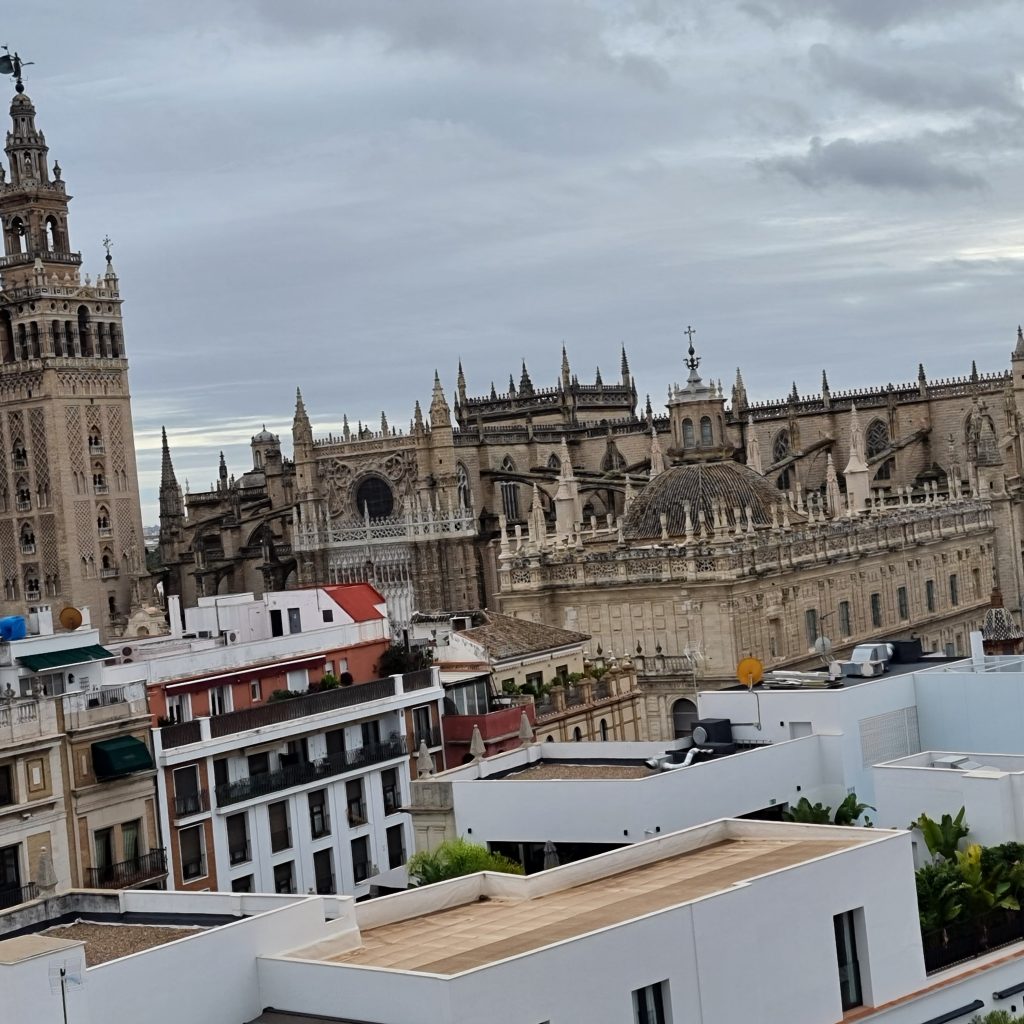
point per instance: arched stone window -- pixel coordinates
(689, 440)
(99, 479)
(684, 715)
(257, 459)
(707, 438)
(604, 729)
(577, 735)
(53, 239)
(780, 449)
(32, 591)
(613, 460)
(103, 521)
(115, 342)
(58, 339)
(19, 454)
(374, 498)
(95, 441)
(554, 462)
(17, 236)
(508, 464)
(28, 539)
(510, 500)
(24, 495)
(876, 438)
(462, 479)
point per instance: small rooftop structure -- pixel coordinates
(504, 636)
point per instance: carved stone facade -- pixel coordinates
(70, 521)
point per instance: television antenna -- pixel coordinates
(64, 977)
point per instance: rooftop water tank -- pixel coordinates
(13, 627)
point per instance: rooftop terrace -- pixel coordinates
(520, 915)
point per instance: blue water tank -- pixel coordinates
(12, 627)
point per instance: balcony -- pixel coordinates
(23, 506)
(100, 489)
(180, 734)
(33, 595)
(28, 548)
(97, 448)
(299, 707)
(110, 574)
(105, 531)
(191, 803)
(128, 873)
(19, 462)
(308, 771)
(432, 737)
(11, 896)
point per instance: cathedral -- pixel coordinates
(70, 520)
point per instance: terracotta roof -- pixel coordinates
(503, 636)
(702, 487)
(359, 600)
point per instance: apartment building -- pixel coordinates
(284, 763)
(77, 789)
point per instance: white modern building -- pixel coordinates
(729, 921)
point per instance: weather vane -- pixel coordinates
(694, 361)
(11, 64)
(107, 243)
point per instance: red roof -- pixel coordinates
(359, 600)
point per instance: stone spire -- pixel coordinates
(302, 431)
(567, 497)
(739, 393)
(597, 378)
(753, 448)
(461, 385)
(171, 503)
(657, 458)
(858, 485)
(922, 381)
(566, 373)
(626, 378)
(417, 418)
(494, 392)
(538, 524)
(649, 411)
(440, 414)
(384, 428)
(1018, 352)
(511, 386)
(832, 495)
(222, 474)
(794, 395)
(525, 384)
(826, 393)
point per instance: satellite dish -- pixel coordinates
(70, 618)
(700, 735)
(750, 672)
(823, 647)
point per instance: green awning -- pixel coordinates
(69, 656)
(120, 756)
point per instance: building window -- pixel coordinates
(259, 764)
(471, 699)
(371, 732)
(328, 614)
(355, 803)
(392, 790)
(298, 679)
(649, 1004)
(604, 729)
(844, 619)
(130, 832)
(280, 833)
(256, 690)
(534, 681)
(422, 727)
(876, 610)
(243, 884)
(190, 843)
(706, 436)
(187, 798)
(284, 877)
(396, 846)
(220, 700)
(929, 595)
(811, 625)
(239, 850)
(179, 708)
(323, 872)
(360, 859)
(294, 620)
(103, 850)
(849, 966)
(6, 785)
(902, 603)
(954, 590)
(510, 500)
(374, 498)
(10, 874)
(319, 816)
(689, 438)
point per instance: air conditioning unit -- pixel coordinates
(204, 634)
(126, 652)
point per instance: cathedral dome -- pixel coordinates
(702, 487)
(265, 437)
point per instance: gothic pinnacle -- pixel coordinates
(824, 382)
(625, 365)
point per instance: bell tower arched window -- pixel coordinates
(96, 446)
(85, 331)
(689, 440)
(707, 438)
(53, 240)
(28, 540)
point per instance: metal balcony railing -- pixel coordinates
(105, 531)
(11, 896)
(308, 771)
(191, 803)
(100, 488)
(109, 574)
(432, 737)
(127, 873)
(24, 506)
(300, 707)
(28, 549)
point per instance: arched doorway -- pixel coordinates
(684, 715)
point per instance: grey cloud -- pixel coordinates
(883, 164)
(865, 15)
(903, 81)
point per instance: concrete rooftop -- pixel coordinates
(450, 941)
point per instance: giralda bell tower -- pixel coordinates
(70, 520)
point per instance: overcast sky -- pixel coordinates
(345, 194)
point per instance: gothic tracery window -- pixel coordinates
(554, 462)
(780, 449)
(508, 464)
(613, 460)
(877, 437)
